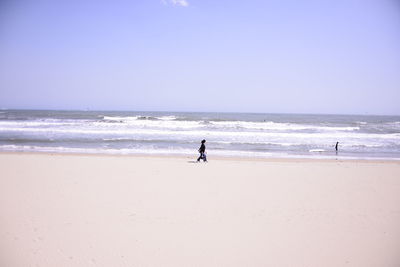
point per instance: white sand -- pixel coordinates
(76, 210)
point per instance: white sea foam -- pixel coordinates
(167, 118)
(209, 133)
(269, 125)
(317, 150)
(120, 119)
(166, 122)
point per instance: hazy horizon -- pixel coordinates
(189, 111)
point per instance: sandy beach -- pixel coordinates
(97, 210)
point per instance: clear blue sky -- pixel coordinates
(339, 56)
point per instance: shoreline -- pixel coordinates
(217, 158)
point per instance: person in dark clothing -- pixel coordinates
(202, 151)
(336, 146)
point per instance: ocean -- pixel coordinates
(179, 133)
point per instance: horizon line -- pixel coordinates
(186, 111)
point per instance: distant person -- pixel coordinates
(336, 146)
(202, 151)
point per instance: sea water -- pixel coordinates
(180, 133)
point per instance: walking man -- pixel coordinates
(202, 151)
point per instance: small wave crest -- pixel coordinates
(139, 117)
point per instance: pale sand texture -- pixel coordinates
(76, 210)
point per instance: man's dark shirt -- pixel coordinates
(202, 148)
